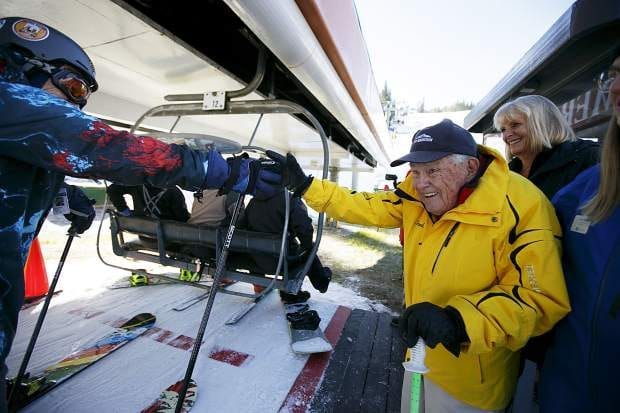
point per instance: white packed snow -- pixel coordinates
(130, 379)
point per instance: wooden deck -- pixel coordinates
(364, 373)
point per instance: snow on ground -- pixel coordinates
(257, 379)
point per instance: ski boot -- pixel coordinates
(301, 317)
(300, 297)
(189, 276)
(24, 391)
(136, 280)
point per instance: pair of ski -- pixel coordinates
(34, 386)
(153, 280)
(306, 335)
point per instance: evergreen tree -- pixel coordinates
(421, 108)
(386, 94)
(459, 105)
(387, 104)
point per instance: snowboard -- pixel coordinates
(34, 386)
(306, 335)
(167, 400)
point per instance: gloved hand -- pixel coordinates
(435, 325)
(126, 212)
(242, 174)
(293, 177)
(81, 210)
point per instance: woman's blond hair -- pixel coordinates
(546, 126)
(607, 198)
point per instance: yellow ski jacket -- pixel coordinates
(495, 258)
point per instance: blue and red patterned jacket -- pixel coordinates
(42, 139)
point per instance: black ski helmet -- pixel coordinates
(46, 44)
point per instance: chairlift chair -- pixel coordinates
(167, 233)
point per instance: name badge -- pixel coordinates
(580, 224)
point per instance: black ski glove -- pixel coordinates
(293, 177)
(242, 174)
(435, 325)
(81, 211)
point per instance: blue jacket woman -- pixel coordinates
(580, 369)
(579, 366)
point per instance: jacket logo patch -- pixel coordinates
(419, 224)
(531, 277)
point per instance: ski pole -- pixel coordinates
(416, 366)
(219, 269)
(37, 328)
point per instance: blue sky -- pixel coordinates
(445, 50)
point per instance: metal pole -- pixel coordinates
(219, 269)
(37, 328)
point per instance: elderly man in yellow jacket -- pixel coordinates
(481, 256)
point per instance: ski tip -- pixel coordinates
(140, 320)
(167, 400)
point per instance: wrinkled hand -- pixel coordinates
(435, 325)
(293, 177)
(81, 210)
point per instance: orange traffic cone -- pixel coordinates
(35, 276)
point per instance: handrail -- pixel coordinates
(249, 88)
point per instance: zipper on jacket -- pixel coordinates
(445, 244)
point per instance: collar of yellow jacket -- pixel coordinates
(483, 206)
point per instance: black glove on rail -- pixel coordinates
(81, 211)
(242, 174)
(435, 325)
(293, 177)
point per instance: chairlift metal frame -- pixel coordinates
(192, 106)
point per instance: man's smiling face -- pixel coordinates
(438, 183)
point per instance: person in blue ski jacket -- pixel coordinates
(45, 80)
(580, 370)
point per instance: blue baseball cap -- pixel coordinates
(443, 139)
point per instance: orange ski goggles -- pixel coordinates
(72, 85)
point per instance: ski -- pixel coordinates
(36, 300)
(36, 385)
(190, 302)
(154, 280)
(249, 305)
(306, 335)
(167, 400)
(184, 305)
